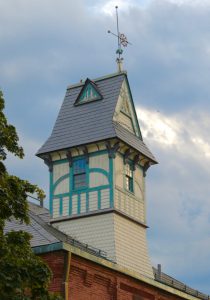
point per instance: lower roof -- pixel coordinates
(46, 238)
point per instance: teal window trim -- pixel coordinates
(71, 189)
(99, 199)
(51, 193)
(101, 171)
(70, 206)
(92, 189)
(82, 172)
(111, 193)
(61, 206)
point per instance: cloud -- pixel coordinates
(46, 45)
(178, 191)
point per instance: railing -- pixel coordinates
(168, 280)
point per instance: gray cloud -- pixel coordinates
(45, 45)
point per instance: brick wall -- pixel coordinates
(90, 281)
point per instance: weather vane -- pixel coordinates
(122, 41)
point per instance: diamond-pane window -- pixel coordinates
(79, 174)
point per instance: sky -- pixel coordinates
(47, 45)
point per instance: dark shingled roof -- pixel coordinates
(45, 234)
(91, 122)
(40, 235)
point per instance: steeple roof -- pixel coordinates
(92, 121)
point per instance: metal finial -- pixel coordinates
(122, 41)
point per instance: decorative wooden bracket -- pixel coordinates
(48, 161)
(135, 161)
(146, 167)
(112, 150)
(85, 151)
(126, 155)
(69, 157)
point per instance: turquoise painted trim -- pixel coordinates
(97, 188)
(61, 206)
(87, 175)
(59, 180)
(70, 189)
(93, 189)
(70, 206)
(83, 188)
(79, 203)
(64, 160)
(47, 248)
(60, 161)
(99, 170)
(51, 193)
(88, 94)
(99, 199)
(111, 183)
(132, 103)
(87, 201)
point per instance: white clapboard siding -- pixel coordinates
(83, 203)
(56, 208)
(62, 187)
(129, 204)
(105, 198)
(99, 161)
(119, 170)
(65, 206)
(131, 246)
(93, 201)
(96, 231)
(126, 122)
(59, 170)
(98, 179)
(139, 183)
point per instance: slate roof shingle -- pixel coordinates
(91, 122)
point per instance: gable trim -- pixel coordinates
(132, 103)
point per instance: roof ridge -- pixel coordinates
(96, 79)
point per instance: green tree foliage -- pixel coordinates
(23, 275)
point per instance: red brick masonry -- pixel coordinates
(91, 281)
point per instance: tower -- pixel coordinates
(97, 163)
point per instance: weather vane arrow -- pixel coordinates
(122, 41)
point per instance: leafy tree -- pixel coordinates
(23, 275)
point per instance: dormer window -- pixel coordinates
(88, 93)
(79, 174)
